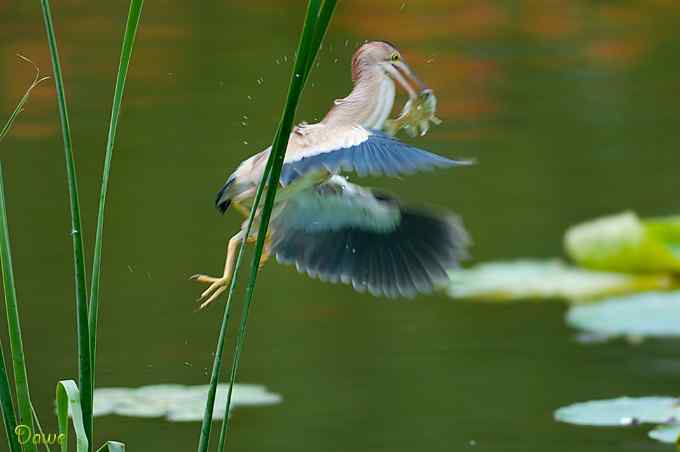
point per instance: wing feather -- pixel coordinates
(347, 234)
(353, 148)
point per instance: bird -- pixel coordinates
(339, 231)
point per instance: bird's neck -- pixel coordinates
(369, 104)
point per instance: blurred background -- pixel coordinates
(569, 107)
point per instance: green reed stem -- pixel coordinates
(13, 324)
(84, 355)
(314, 29)
(301, 69)
(131, 27)
(6, 403)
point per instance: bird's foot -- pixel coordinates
(216, 288)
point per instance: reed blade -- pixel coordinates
(13, 324)
(6, 403)
(69, 403)
(298, 79)
(129, 35)
(316, 23)
(83, 340)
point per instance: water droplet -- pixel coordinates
(346, 42)
(245, 142)
(250, 97)
(297, 75)
(403, 7)
(244, 124)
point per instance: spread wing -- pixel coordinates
(354, 148)
(340, 232)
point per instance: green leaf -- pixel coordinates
(653, 314)
(131, 27)
(548, 279)
(84, 356)
(69, 403)
(625, 243)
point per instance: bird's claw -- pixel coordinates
(216, 288)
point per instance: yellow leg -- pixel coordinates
(219, 285)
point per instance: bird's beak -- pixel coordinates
(404, 75)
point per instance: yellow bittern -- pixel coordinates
(338, 231)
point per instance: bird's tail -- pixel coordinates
(223, 199)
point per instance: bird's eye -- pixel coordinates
(394, 57)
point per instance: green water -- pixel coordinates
(570, 108)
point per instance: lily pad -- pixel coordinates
(622, 411)
(628, 411)
(540, 279)
(653, 314)
(669, 433)
(177, 402)
(624, 243)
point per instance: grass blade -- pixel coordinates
(70, 402)
(314, 29)
(13, 324)
(131, 27)
(84, 356)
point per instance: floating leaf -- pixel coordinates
(532, 279)
(625, 243)
(621, 411)
(177, 402)
(669, 433)
(654, 314)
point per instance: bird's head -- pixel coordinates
(384, 57)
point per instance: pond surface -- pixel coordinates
(570, 108)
